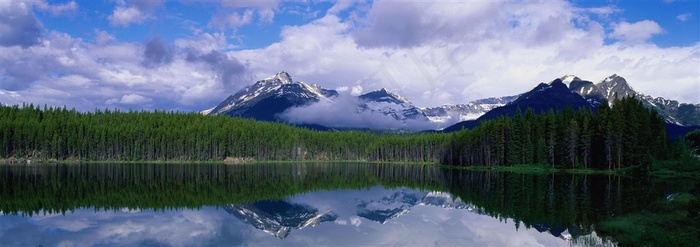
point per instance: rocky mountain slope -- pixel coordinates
(267, 99)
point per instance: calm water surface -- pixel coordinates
(307, 204)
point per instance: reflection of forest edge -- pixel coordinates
(578, 203)
(60, 188)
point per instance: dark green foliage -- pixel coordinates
(694, 139)
(31, 133)
(627, 135)
(635, 211)
(59, 188)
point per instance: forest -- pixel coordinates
(623, 136)
(60, 134)
(626, 135)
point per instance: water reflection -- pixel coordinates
(312, 204)
(346, 217)
(279, 217)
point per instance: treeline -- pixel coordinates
(633, 211)
(29, 132)
(625, 135)
(62, 188)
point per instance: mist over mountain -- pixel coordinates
(280, 98)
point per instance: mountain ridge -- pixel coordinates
(267, 99)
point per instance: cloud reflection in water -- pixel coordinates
(419, 224)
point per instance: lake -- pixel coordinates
(336, 204)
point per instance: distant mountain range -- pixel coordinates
(615, 86)
(401, 202)
(279, 218)
(270, 99)
(267, 98)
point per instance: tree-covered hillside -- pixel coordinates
(626, 135)
(29, 132)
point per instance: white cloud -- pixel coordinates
(356, 90)
(131, 99)
(236, 14)
(637, 32)
(18, 24)
(63, 70)
(136, 12)
(233, 20)
(504, 53)
(58, 9)
(103, 37)
(498, 48)
(684, 17)
(344, 112)
(266, 15)
(125, 16)
(355, 221)
(203, 42)
(604, 11)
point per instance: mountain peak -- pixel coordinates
(556, 82)
(615, 84)
(384, 95)
(567, 79)
(613, 76)
(282, 76)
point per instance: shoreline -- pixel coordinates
(523, 168)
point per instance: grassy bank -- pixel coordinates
(539, 169)
(226, 161)
(663, 169)
(673, 221)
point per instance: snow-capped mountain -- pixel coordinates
(278, 218)
(674, 112)
(390, 104)
(586, 89)
(464, 112)
(401, 202)
(616, 86)
(267, 98)
(545, 96)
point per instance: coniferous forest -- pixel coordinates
(625, 135)
(61, 134)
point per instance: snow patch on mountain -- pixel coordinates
(616, 86)
(567, 79)
(401, 202)
(450, 114)
(207, 111)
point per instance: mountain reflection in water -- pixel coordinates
(309, 204)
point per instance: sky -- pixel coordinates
(189, 55)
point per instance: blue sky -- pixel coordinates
(189, 55)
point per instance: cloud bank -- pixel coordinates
(343, 112)
(454, 52)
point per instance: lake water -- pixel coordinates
(318, 204)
